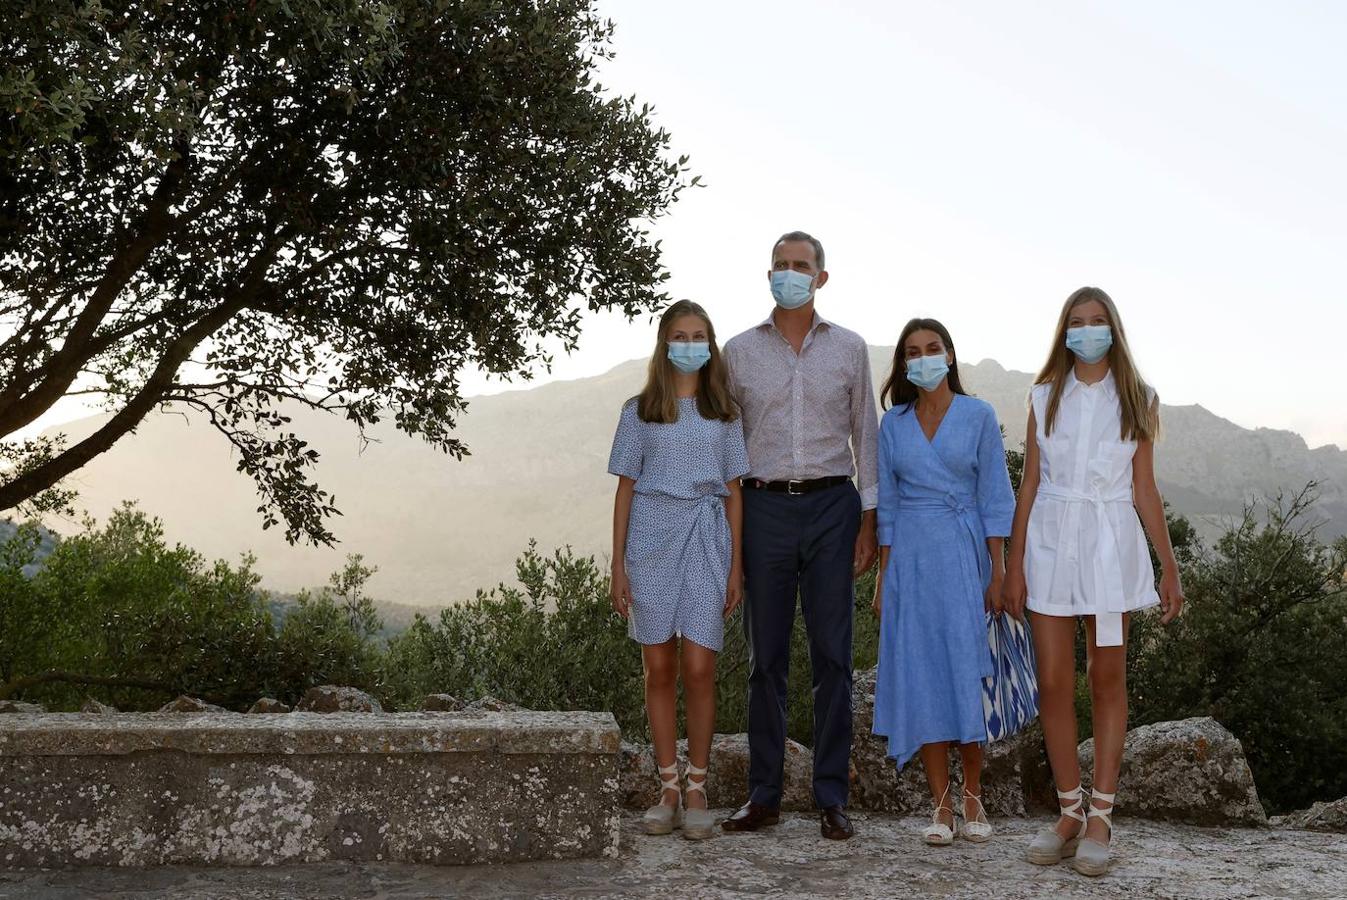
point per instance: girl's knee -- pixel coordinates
(661, 674)
(699, 673)
(1107, 678)
(1055, 683)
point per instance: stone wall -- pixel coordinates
(232, 789)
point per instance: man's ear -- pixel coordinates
(821, 280)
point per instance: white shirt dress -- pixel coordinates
(1085, 553)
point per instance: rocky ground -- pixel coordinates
(886, 859)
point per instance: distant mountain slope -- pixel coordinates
(439, 529)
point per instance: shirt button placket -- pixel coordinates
(797, 445)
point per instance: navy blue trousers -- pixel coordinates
(803, 543)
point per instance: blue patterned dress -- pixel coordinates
(939, 500)
(678, 540)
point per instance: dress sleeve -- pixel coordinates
(628, 451)
(734, 454)
(996, 498)
(886, 510)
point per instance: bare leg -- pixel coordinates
(699, 696)
(970, 755)
(935, 760)
(661, 677)
(1107, 671)
(1055, 647)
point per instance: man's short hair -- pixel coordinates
(801, 236)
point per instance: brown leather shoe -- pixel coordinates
(834, 824)
(752, 816)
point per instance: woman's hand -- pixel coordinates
(734, 590)
(620, 591)
(877, 603)
(1171, 596)
(991, 599)
(1014, 592)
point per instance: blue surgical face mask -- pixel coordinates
(791, 289)
(1090, 343)
(689, 356)
(926, 372)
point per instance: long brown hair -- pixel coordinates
(658, 400)
(897, 390)
(1140, 421)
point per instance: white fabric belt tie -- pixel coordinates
(1107, 566)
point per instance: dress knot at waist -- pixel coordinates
(1068, 495)
(1107, 565)
(949, 503)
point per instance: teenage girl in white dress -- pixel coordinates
(1077, 549)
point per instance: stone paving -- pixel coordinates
(886, 859)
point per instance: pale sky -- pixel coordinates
(978, 161)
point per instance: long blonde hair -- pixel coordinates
(658, 400)
(1140, 419)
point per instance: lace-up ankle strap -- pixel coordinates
(1105, 813)
(696, 785)
(1073, 811)
(668, 778)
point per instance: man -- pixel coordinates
(810, 424)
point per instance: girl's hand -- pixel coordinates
(991, 599)
(877, 603)
(620, 591)
(1171, 596)
(1014, 592)
(734, 591)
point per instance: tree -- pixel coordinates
(334, 203)
(1259, 648)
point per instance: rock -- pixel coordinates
(186, 704)
(93, 706)
(330, 698)
(441, 703)
(492, 704)
(15, 706)
(1191, 771)
(727, 780)
(269, 705)
(1015, 774)
(637, 775)
(1319, 817)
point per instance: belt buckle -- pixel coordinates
(790, 487)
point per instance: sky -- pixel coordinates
(978, 161)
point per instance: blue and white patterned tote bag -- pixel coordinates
(1010, 696)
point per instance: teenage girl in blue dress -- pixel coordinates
(679, 454)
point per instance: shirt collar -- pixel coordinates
(818, 320)
(1108, 385)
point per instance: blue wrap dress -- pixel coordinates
(678, 539)
(939, 500)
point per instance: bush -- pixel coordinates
(1260, 648)
(553, 643)
(116, 613)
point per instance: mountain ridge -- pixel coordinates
(439, 529)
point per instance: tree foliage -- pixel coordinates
(334, 203)
(118, 613)
(1260, 648)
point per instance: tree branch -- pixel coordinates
(49, 473)
(20, 401)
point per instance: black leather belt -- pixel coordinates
(795, 487)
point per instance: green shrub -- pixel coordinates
(1260, 648)
(116, 613)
